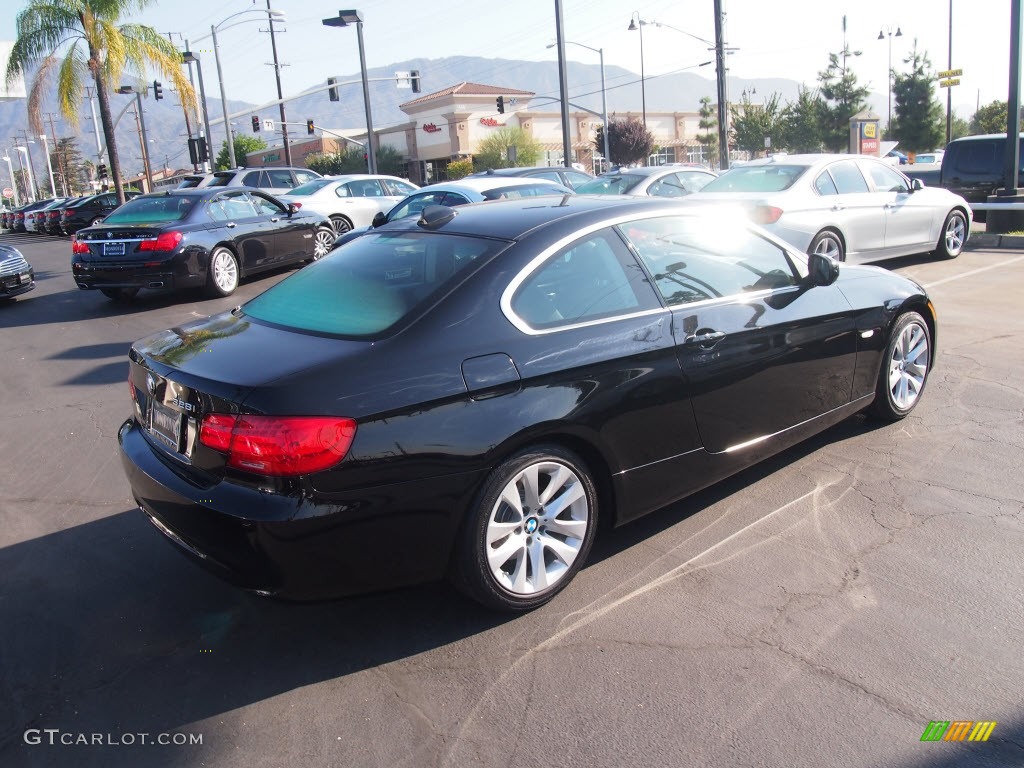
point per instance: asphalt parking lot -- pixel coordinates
(818, 610)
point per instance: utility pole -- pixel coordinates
(188, 122)
(723, 95)
(140, 123)
(280, 95)
(24, 176)
(95, 124)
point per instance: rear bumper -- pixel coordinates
(169, 274)
(300, 546)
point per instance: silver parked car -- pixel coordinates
(651, 181)
(352, 200)
(847, 207)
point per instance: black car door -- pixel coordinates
(293, 234)
(251, 233)
(761, 351)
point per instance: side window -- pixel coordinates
(304, 176)
(252, 179)
(365, 188)
(280, 178)
(667, 186)
(885, 178)
(693, 259)
(342, 190)
(454, 199)
(978, 157)
(847, 177)
(265, 207)
(238, 206)
(399, 187)
(825, 185)
(549, 175)
(595, 277)
(576, 178)
(413, 206)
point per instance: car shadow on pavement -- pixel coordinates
(71, 306)
(107, 629)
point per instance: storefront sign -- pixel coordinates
(489, 121)
(430, 128)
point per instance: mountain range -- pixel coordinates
(165, 124)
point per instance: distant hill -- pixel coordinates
(166, 128)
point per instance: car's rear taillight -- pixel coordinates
(281, 446)
(165, 241)
(765, 214)
(55, 214)
(79, 246)
(297, 205)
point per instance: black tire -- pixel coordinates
(905, 368)
(953, 235)
(828, 243)
(222, 273)
(500, 544)
(323, 241)
(340, 224)
(120, 294)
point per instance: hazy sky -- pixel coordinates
(781, 38)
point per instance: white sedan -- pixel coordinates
(847, 207)
(350, 201)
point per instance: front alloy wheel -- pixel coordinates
(531, 531)
(905, 370)
(323, 241)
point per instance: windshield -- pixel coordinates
(370, 284)
(148, 210)
(310, 187)
(757, 178)
(619, 184)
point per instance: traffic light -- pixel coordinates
(158, 90)
(101, 171)
(333, 91)
(255, 123)
(414, 79)
(500, 102)
(197, 151)
(309, 127)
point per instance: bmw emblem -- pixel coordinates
(531, 525)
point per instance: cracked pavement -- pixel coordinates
(816, 610)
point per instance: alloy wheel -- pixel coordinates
(908, 366)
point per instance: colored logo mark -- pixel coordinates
(958, 730)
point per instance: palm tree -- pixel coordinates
(80, 38)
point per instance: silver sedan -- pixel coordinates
(847, 207)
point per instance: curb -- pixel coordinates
(982, 240)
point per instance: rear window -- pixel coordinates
(151, 210)
(371, 284)
(757, 178)
(610, 185)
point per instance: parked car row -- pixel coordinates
(62, 215)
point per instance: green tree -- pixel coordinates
(629, 141)
(459, 169)
(752, 123)
(345, 160)
(708, 138)
(841, 99)
(918, 123)
(990, 119)
(958, 128)
(79, 38)
(244, 144)
(800, 129)
(391, 162)
(493, 151)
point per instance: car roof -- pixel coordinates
(484, 183)
(511, 219)
(653, 170)
(520, 170)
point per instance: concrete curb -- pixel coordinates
(984, 240)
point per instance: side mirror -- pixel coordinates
(916, 184)
(823, 271)
(292, 208)
(379, 220)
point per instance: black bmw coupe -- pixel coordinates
(467, 393)
(195, 237)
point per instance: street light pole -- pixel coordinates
(14, 182)
(189, 57)
(344, 19)
(280, 94)
(604, 99)
(32, 190)
(887, 30)
(49, 163)
(636, 24)
(223, 101)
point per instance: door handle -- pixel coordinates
(230, 224)
(275, 219)
(708, 339)
(838, 207)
